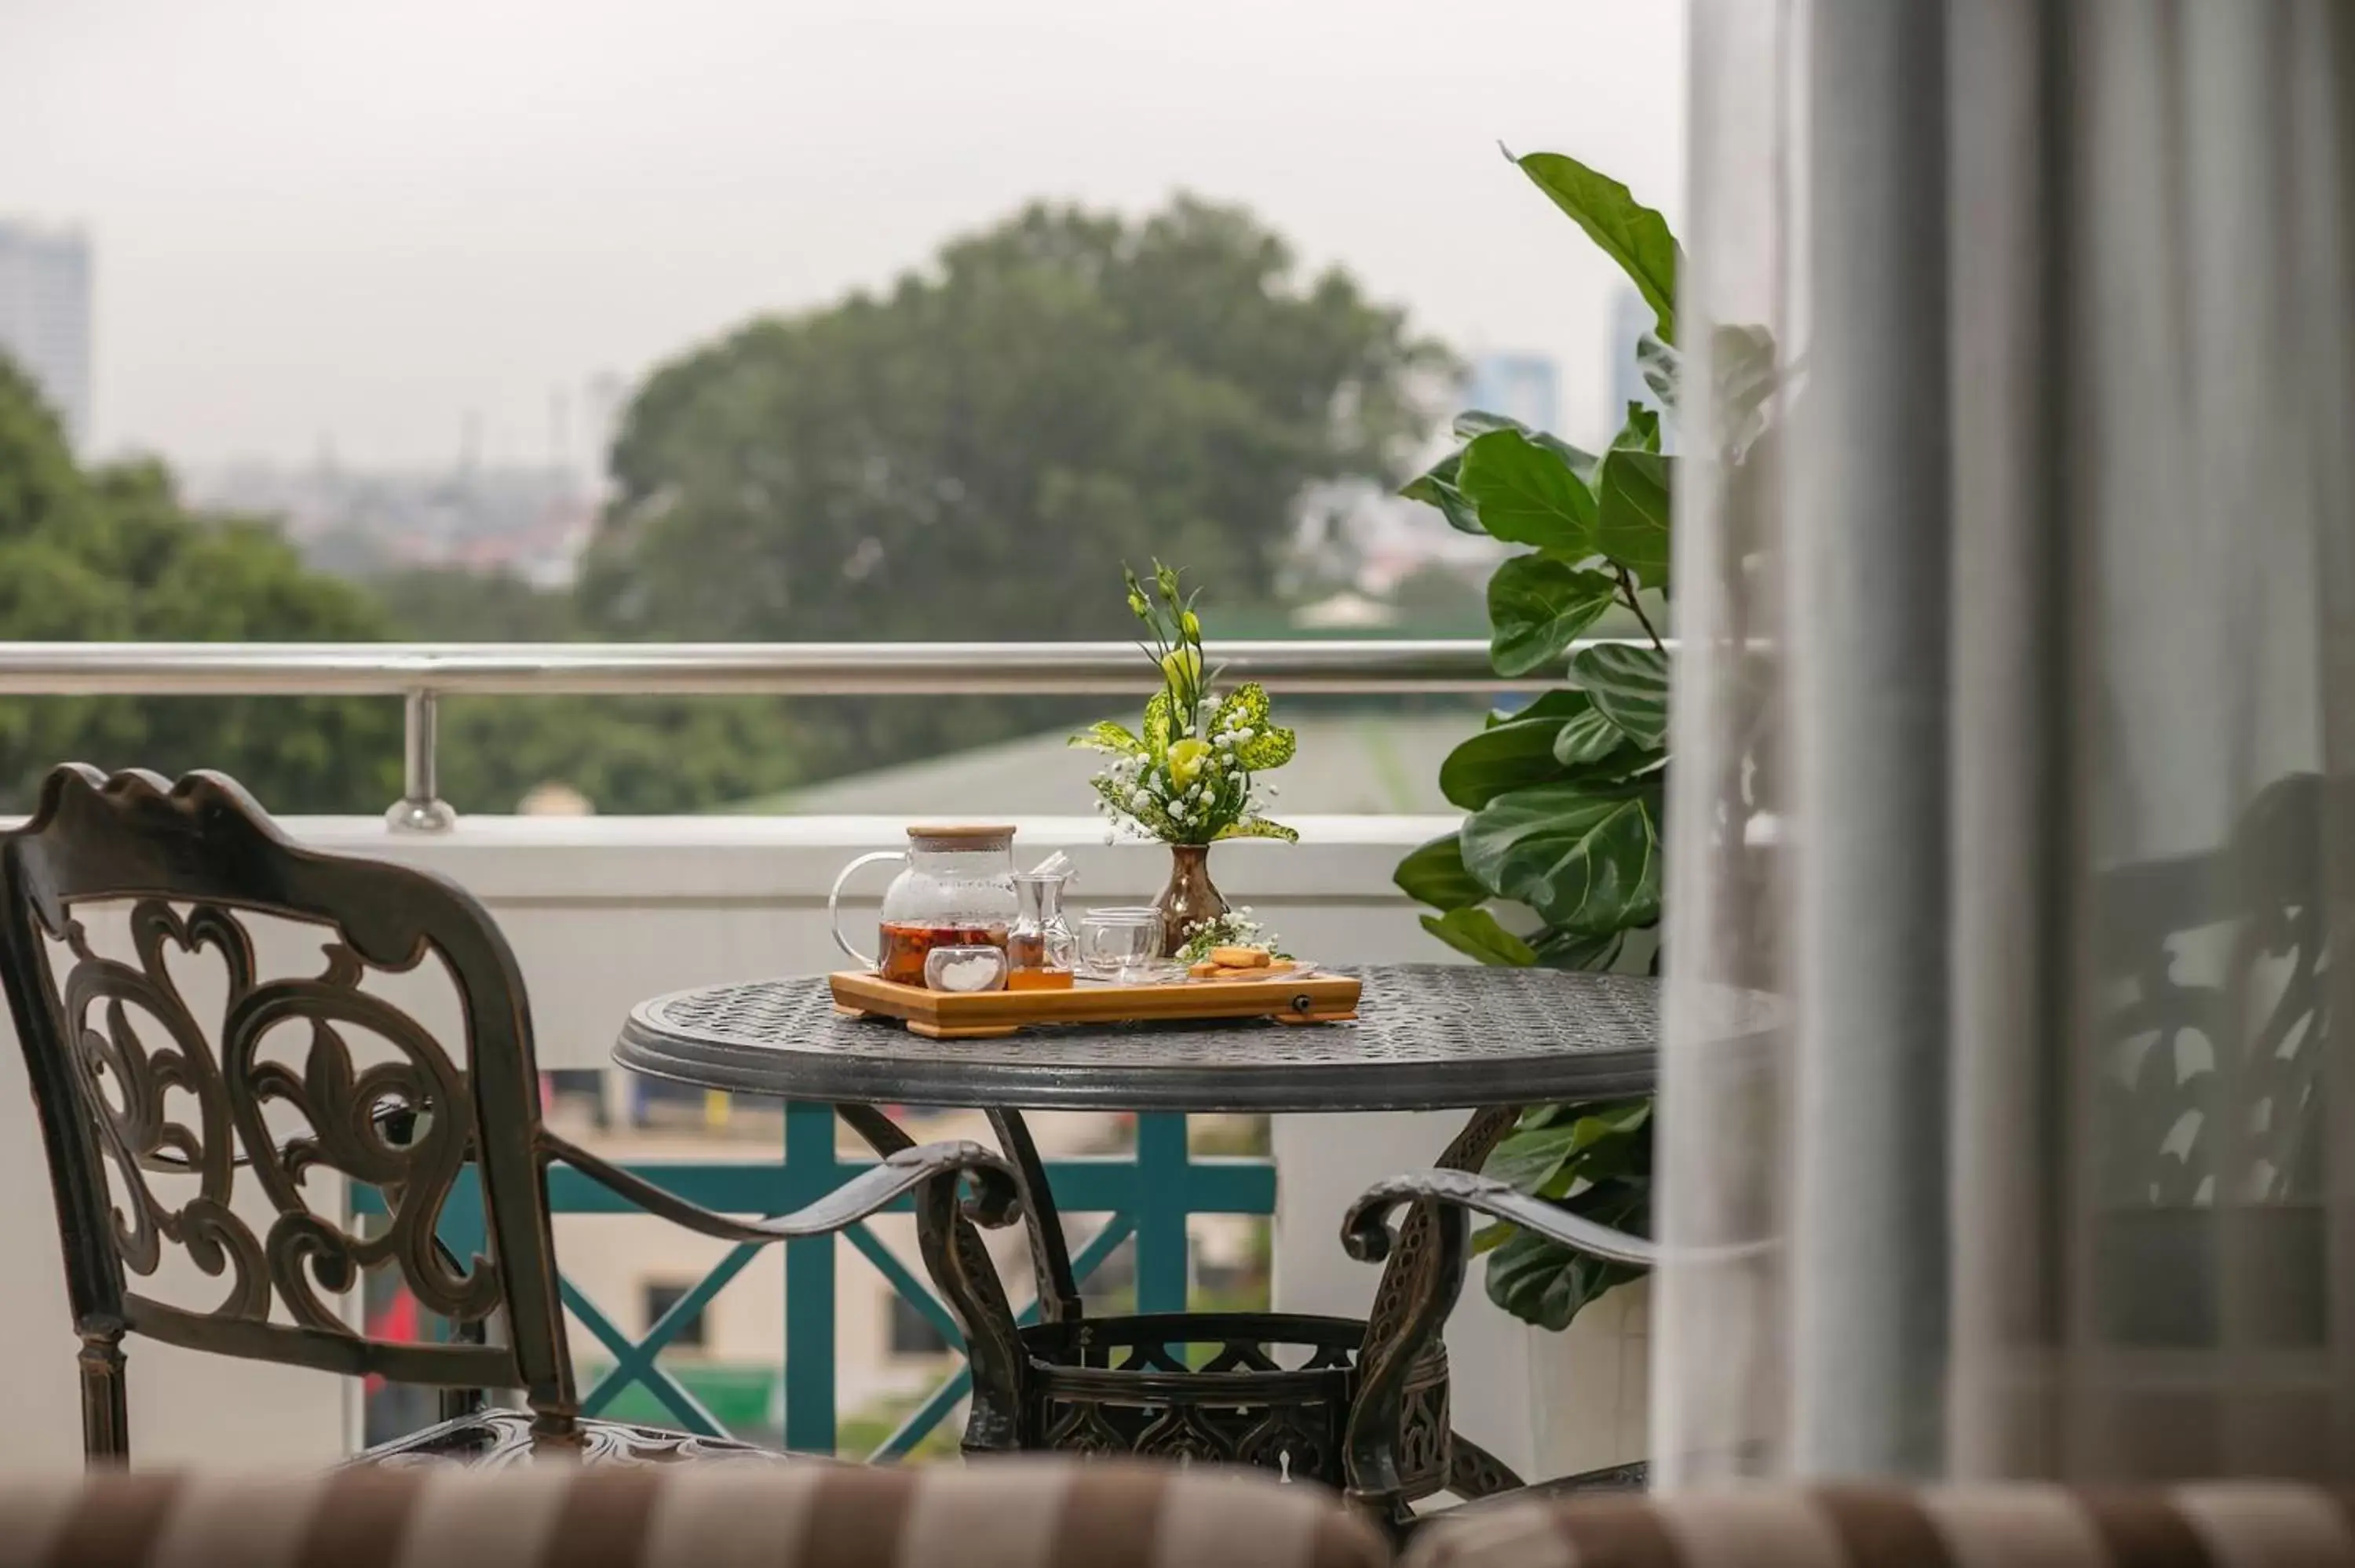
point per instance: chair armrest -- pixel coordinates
(993, 1202)
(1443, 1202)
(1366, 1233)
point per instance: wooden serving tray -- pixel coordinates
(981, 1016)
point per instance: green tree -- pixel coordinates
(111, 552)
(975, 453)
(456, 604)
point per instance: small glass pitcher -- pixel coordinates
(1040, 946)
(955, 889)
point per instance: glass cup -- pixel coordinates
(969, 970)
(1120, 944)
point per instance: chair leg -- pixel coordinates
(456, 1403)
(105, 1414)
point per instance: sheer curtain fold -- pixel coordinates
(2015, 717)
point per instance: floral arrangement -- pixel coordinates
(1235, 928)
(1190, 777)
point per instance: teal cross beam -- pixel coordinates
(1149, 1196)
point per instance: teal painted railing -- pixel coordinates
(1149, 1197)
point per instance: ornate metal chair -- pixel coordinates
(189, 861)
(2193, 946)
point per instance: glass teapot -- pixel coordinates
(955, 889)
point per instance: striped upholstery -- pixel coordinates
(2244, 1524)
(1010, 1513)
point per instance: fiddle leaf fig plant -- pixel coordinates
(1558, 860)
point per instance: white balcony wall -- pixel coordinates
(603, 911)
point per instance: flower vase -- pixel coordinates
(1189, 899)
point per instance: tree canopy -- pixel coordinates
(111, 552)
(975, 453)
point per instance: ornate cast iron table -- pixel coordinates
(1274, 1389)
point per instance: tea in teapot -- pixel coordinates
(955, 889)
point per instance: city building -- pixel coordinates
(45, 317)
(531, 522)
(1523, 386)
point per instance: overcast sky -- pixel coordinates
(346, 221)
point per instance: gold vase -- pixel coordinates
(1190, 897)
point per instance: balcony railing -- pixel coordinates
(1148, 1196)
(421, 673)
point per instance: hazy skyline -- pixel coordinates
(319, 223)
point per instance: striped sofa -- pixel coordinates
(1006, 1513)
(2211, 1525)
(1048, 1513)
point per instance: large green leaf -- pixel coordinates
(1660, 367)
(1629, 684)
(1528, 1161)
(1434, 874)
(1632, 517)
(1546, 1284)
(1640, 431)
(1559, 950)
(1436, 486)
(1743, 371)
(1473, 423)
(1561, 703)
(1583, 857)
(1508, 756)
(1526, 494)
(1474, 932)
(1586, 1145)
(1538, 606)
(1586, 738)
(1630, 233)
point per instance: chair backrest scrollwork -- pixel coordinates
(136, 1093)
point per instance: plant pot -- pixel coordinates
(1190, 897)
(1589, 1386)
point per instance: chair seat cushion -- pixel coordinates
(494, 1438)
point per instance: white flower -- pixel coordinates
(1244, 733)
(1139, 799)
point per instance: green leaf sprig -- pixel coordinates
(1191, 774)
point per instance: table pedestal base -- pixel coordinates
(1267, 1388)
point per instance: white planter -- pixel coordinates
(1589, 1386)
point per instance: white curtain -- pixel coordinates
(2014, 719)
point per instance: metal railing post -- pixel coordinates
(421, 808)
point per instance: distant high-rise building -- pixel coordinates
(45, 317)
(1631, 318)
(1523, 386)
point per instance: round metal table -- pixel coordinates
(1427, 1037)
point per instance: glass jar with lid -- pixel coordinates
(955, 889)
